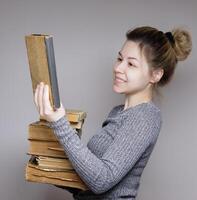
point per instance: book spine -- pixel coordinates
(52, 71)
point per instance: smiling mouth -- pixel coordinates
(117, 80)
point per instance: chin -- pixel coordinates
(117, 90)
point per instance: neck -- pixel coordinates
(140, 97)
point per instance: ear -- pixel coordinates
(156, 75)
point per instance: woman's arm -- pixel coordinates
(101, 174)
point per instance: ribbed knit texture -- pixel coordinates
(112, 162)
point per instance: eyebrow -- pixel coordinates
(128, 57)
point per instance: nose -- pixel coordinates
(119, 67)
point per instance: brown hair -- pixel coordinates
(162, 50)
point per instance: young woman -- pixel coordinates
(112, 163)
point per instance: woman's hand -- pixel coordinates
(43, 104)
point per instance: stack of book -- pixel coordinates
(48, 161)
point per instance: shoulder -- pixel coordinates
(115, 109)
(145, 111)
(145, 117)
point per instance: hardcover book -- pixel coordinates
(42, 65)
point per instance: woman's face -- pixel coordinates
(131, 71)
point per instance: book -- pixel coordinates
(56, 164)
(70, 179)
(39, 131)
(74, 115)
(42, 65)
(46, 148)
(75, 125)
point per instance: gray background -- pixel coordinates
(87, 37)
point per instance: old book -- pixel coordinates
(70, 179)
(58, 164)
(75, 125)
(34, 159)
(46, 148)
(74, 115)
(39, 131)
(42, 66)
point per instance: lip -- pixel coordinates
(119, 79)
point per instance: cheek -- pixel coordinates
(134, 76)
(137, 78)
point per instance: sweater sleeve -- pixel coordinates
(100, 174)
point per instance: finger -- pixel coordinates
(46, 102)
(61, 105)
(36, 96)
(40, 97)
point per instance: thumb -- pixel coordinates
(61, 105)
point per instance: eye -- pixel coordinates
(119, 59)
(130, 64)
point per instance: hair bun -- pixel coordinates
(183, 43)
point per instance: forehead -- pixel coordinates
(131, 49)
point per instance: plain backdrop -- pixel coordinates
(87, 37)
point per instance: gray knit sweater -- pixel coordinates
(113, 161)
